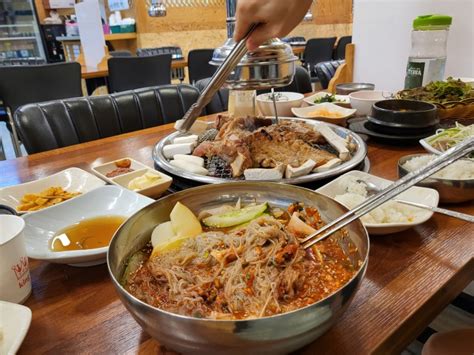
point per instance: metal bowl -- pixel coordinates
(277, 334)
(450, 191)
(357, 158)
(349, 88)
(270, 65)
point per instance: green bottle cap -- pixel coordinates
(432, 22)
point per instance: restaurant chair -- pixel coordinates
(138, 72)
(122, 53)
(317, 50)
(326, 70)
(21, 85)
(198, 64)
(301, 83)
(61, 123)
(176, 54)
(340, 50)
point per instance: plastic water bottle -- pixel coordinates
(428, 54)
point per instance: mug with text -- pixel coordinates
(15, 280)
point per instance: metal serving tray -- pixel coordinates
(357, 158)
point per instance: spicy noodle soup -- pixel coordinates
(253, 270)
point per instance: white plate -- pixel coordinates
(342, 100)
(43, 225)
(72, 180)
(305, 112)
(423, 195)
(15, 321)
(139, 169)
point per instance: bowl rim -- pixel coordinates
(361, 270)
(405, 158)
(353, 85)
(261, 99)
(351, 95)
(432, 108)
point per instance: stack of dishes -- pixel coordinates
(399, 121)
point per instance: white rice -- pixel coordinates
(459, 170)
(389, 212)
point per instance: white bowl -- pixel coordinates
(287, 101)
(15, 321)
(363, 100)
(72, 180)
(423, 195)
(153, 191)
(308, 113)
(41, 226)
(341, 100)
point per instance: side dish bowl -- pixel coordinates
(450, 190)
(285, 101)
(273, 335)
(41, 226)
(363, 100)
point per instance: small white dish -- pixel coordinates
(15, 321)
(43, 225)
(423, 195)
(71, 180)
(285, 101)
(139, 169)
(316, 112)
(341, 100)
(363, 100)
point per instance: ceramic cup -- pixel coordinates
(15, 281)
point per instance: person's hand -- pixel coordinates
(276, 18)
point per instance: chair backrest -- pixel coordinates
(61, 123)
(318, 50)
(176, 53)
(219, 102)
(340, 50)
(326, 70)
(122, 53)
(21, 85)
(198, 64)
(139, 72)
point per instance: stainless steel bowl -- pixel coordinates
(349, 88)
(270, 65)
(277, 334)
(450, 191)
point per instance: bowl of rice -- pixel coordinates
(455, 183)
(391, 217)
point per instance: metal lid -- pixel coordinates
(273, 51)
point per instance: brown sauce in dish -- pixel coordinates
(90, 233)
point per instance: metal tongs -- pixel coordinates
(391, 191)
(218, 79)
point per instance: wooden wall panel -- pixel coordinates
(328, 12)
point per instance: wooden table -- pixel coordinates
(411, 276)
(91, 73)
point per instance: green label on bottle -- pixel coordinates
(414, 76)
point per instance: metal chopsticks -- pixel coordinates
(391, 191)
(217, 80)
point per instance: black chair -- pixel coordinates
(62, 123)
(176, 54)
(317, 50)
(122, 53)
(138, 72)
(198, 64)
(301, 83)
(326, 70)
(340, 50)
(21, 85)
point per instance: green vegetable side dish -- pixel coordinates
(448, 138)
(440, 92)
(326, 98)
(235, 218)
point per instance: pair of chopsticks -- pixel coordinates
(391, 191)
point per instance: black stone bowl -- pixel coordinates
(405, 114)
(380, 127)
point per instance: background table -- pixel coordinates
(410, 278)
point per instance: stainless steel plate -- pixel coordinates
(358, 156)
